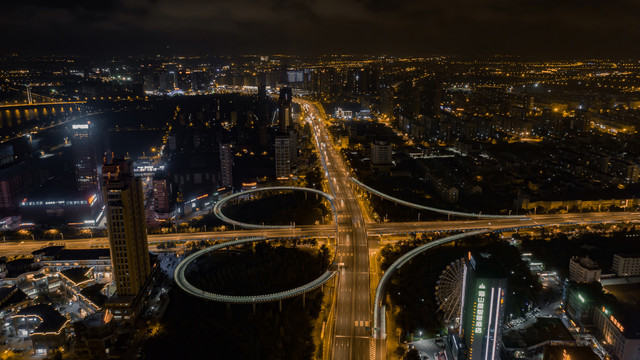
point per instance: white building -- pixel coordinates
(626, 264)
(381, 152)
(584, 270)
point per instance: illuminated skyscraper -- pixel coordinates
(85, 156)
(284, 109)
(127, 236)
(484, 286)
(283, 156)
(226, 165)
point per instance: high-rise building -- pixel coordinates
(293, 147)
(482, 311)
(226, 165)
(127, 237)
(85, 156)
(283, 156)
(284, 109)
(161, 202)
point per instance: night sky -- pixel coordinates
(533, 28)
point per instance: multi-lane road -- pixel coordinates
(351, 336)
(27, 246)
(502, 224)
(11, 248)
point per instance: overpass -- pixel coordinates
(41, 104)
(217, 208)
(506, 224)
(185, 285)
(379, 330)
(179, 273)
(432, 209)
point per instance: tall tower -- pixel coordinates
(85, 156)
(226, 165)
(127, 229)
(484, 286)
(284, 109)
(283, 156)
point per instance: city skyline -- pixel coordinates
(318, 206)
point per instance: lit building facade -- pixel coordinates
(626, 264)
(285, 115)
(161, 198)
(127, 236)
(226, 165)
(283, 156)
(618, 332)
(584, 270)
(482, 310)
(83, 145)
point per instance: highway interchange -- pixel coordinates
(352, 323)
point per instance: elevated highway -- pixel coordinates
(217, 208)
(429, 208)
(184, 284)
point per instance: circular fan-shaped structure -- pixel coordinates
(449, 290)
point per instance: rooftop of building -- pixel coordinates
(569, 352)
(544, 329)
(83, 254)
(18, 266)
(61, 188)
(77, 274)
(628, 256)
(48, 251)
(52, 320)
(586, 262)
(10, 295)
(486, 267)
(94, 294)
(98, 319)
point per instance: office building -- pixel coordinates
(610, 313)
(161, 197)
(482, 310)
(626, 264)
(285, 116)
(562, 352)
(57, 204)
(579, 302)
(283, 156)
(85, 154)
(381, 152)
(226, 165)
(127, 237)
(584, 270)
(293, 147)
